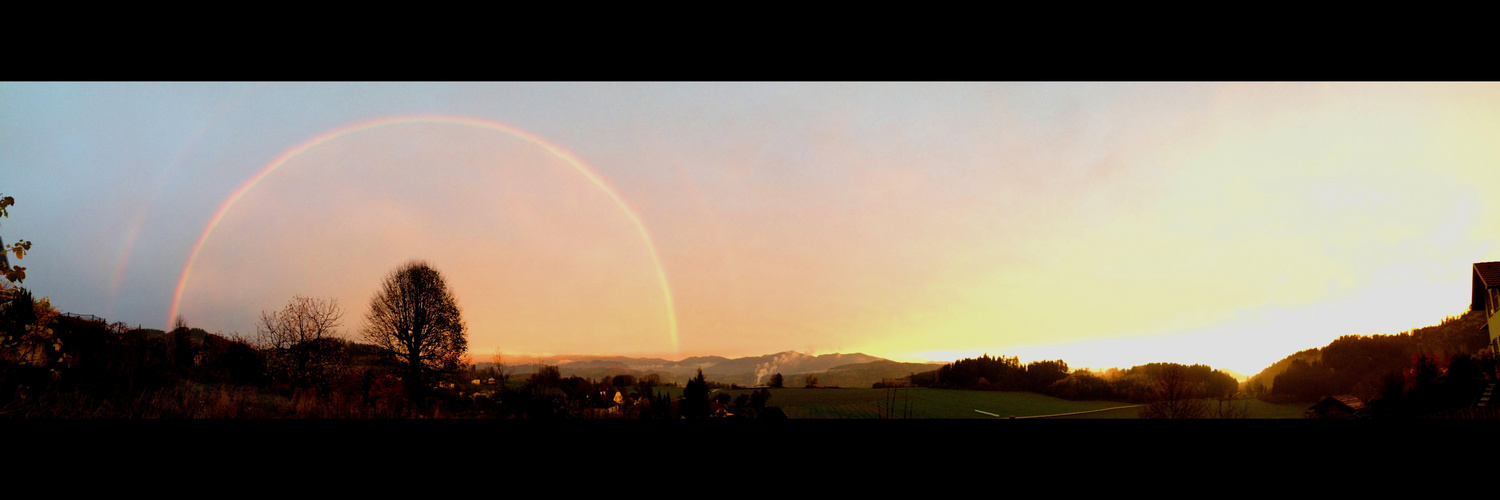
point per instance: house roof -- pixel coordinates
(1488, 272)
(1347, 402)
(1486, 276)
(1352, 402)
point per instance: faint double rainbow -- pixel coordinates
(555, 150)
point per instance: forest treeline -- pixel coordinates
(87, 368)
(1141, 383)
(1425, 369)
(90, 369)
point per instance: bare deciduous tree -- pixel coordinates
(304, 319)
(301, 341)
(1176, 397)
(416, 320)
(1229, 408)
(502, 374)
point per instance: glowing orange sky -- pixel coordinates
(1103, 224)
(533, 248)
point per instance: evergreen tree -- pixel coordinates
(695, 398)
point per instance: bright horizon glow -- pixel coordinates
(1103, 224)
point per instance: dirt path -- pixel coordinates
(1062, 414)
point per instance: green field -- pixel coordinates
(947, 403)
(1260, 409)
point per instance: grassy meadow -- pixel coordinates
(800, 403)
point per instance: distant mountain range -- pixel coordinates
(843, 370)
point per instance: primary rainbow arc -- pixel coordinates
(555, 150)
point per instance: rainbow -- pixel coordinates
(556, 151)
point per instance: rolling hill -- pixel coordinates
(845, 370)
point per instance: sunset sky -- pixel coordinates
(1106, 224)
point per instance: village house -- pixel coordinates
(1486, 297)
(1343, 406)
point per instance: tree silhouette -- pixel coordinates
(758, 398)
(500, 372)
(25, 333)
(416, 320)
(1176, 395)
(25, 324)
(182, 343)
(300, 341)
(695, 397)
(14, 274)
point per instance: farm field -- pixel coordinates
(921, 403)
(800, 403)
(1261, 409)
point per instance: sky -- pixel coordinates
(1105, 224)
